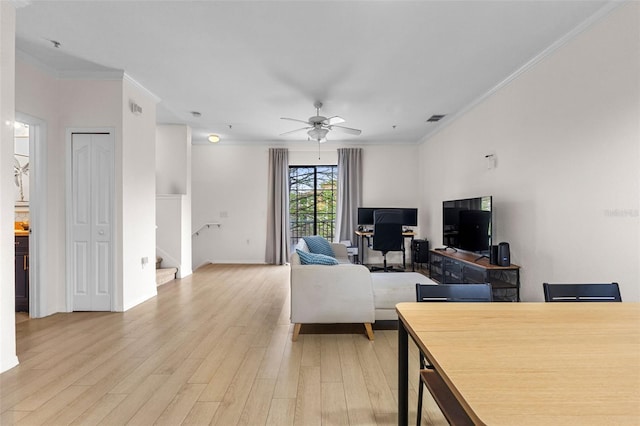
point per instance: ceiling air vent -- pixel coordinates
(436, 117)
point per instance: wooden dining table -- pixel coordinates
(529, 363)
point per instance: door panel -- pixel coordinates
(81, 296)
(81, 183)
(103, 275)
(92, 206)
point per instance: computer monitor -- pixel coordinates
(365, 216)
(409, 215)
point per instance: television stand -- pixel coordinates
(466, 268)
(445, 248)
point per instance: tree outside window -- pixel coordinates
(312, 201)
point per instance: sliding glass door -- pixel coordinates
(312, 201)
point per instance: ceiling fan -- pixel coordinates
(318, 126)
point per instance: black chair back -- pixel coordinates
(387, 230)
(451, 408)
(606, 292)
(454, 293)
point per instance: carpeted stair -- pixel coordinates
(164, 275)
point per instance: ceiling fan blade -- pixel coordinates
(297, 130)
(294, 119)
(333, 120)
(347, 130)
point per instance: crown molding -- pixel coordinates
(118, 75)
(579, 29)
(126, 77)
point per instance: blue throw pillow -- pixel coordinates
(319, 245)
(315, 258)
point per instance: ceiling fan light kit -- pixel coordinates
(319, 126)
(318, 134)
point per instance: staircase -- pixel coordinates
(164, 275)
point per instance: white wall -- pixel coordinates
(173, 210)
(171, 159)
(390, 174)
(37, 95)
(84, 104)
(8, 357)
(138, 188)
(186, 249)
(168, 231)
(79, 104)
(63, 104)
(567, 184)
(230, 187)
(307, 154)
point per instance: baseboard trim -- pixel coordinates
(141, 299)
(183, 273)
(11, 362)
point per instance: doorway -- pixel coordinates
(30, 205)
(21, 214)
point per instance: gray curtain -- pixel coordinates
(277, 252)
(349, 192)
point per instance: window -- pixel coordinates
(312, 201)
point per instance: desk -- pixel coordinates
(529, 363)
(361, 235)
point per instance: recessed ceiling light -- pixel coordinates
(214, 138)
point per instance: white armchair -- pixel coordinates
(340, 293)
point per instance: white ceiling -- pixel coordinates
(243, 64)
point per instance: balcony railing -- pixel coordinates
(325, 228)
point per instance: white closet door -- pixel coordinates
(92, 221)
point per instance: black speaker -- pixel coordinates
(504, 256)
(493, 255)
(420, 250)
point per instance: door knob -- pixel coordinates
(101, 232)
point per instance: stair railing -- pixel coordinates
(206, 225)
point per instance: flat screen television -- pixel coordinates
(466, 224)
(409, 215)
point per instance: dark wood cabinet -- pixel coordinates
(461, 267)
(22, 273)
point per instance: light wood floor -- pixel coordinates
(213, 348)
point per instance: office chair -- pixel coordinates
(606, 292)
(447, 402)
(387, 235)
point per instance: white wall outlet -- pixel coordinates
(144, 261)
